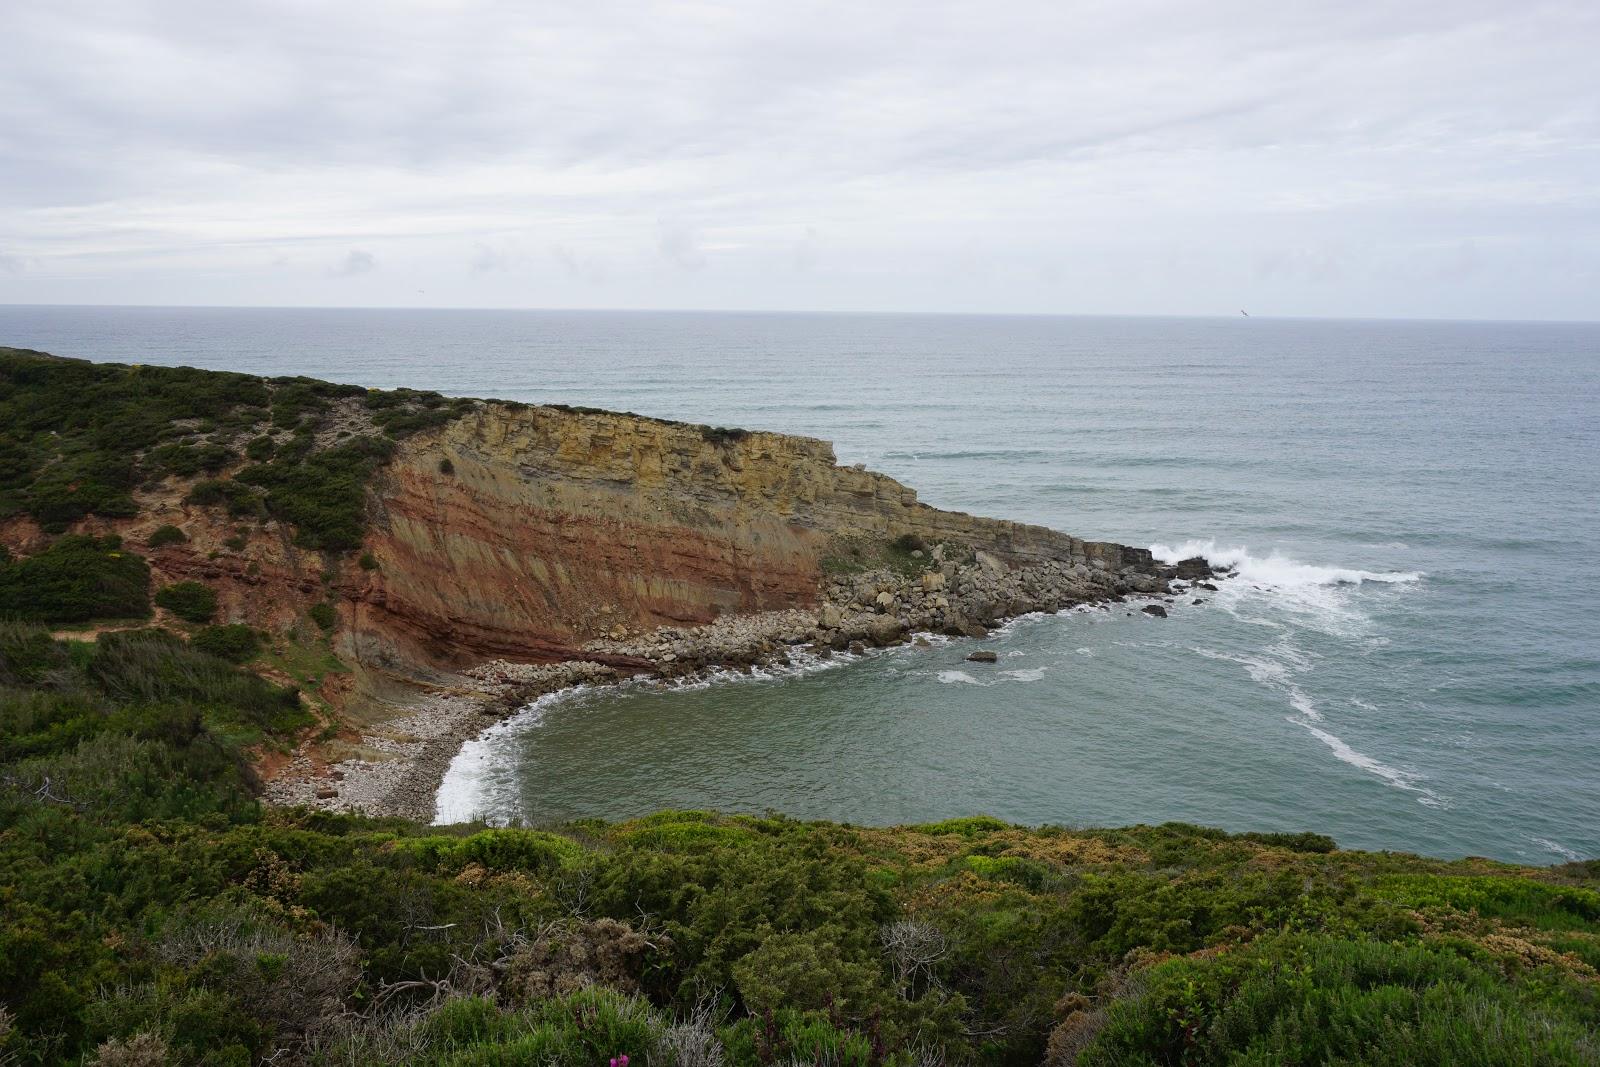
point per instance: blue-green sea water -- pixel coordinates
(1410, 658)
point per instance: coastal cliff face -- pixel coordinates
(523, 532)
(423, 535)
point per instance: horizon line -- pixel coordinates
(815, 311)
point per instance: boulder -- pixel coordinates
(885, 601)
(983, 656)
(932, 582)
(830, 617)
(1155, 609)
(1193, 569)
(885, 629)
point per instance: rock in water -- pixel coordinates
(1155, 609)
(983, 656)
(884, 629)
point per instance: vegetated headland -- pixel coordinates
(419, 565)
(218, 589)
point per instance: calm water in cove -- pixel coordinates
(1410, 659)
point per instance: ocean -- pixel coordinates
(1409, 658)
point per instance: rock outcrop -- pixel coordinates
(527, 532)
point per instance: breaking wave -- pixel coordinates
(1276, 570)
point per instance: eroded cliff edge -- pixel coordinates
(400, 550)
(524, 532)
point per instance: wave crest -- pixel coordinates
(1276, 570)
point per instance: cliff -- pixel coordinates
(446, 532)
(523, 532)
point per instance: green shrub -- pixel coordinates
(234, 643)
(805, 971)
(75, 429)
(1311, 999)
(190, 601)
(1548, 907)
(189, 460)
(240, 500)
(368, 562)
(28, 654)
(324, 615)
(446, 467)
(1301, 842)
(530, 851)
(322, 493)
(76, 579)
(166, 534)
(155, 666)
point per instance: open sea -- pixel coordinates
(1410, 658)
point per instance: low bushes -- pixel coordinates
(76, 579)
(235, 643)
(166, 535)
(1300, 998)
(190, 601)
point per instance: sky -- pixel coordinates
(1425, 159)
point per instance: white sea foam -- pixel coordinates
(1276, 668)
(1305, 594)
(1560, 850)
(1406, 780)
(1028, 674)
(958, 678)
(1277, 571)
(468, 790)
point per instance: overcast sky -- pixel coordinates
(1427, 158)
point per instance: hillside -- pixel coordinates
(443, 532)
(205, 576)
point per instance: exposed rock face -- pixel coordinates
(544, 535)
(554, 527)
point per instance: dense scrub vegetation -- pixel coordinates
(81, 438)
(75, 579)
(155, 913)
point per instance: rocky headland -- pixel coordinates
(460, 557)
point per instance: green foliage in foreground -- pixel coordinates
(154, 912)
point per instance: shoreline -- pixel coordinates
(399, 764)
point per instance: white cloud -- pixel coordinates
(1143, 156)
